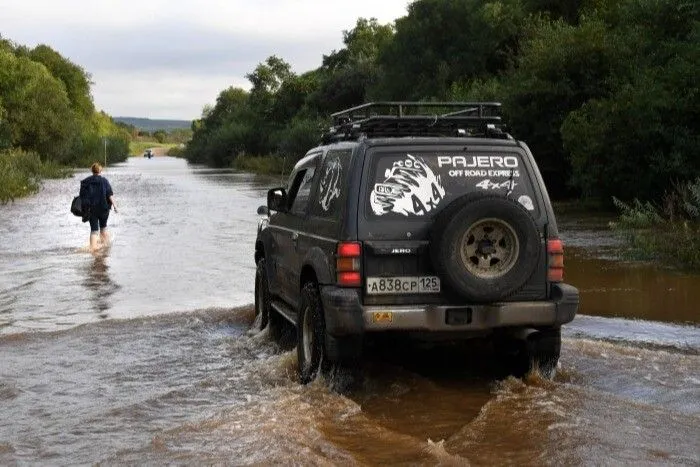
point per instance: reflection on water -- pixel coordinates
(100, 284)
(633, 290)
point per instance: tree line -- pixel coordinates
(605, 92)
(48, 119)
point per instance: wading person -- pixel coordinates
(97, 199)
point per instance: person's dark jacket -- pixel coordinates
(95, 191)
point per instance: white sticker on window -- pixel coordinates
(410, 187)
(330, 184)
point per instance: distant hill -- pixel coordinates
(148, 124)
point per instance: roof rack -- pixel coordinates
(392, 119)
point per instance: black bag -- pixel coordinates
(76, 207)
(79, 209)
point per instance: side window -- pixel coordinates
(331, 190)
(301, 190)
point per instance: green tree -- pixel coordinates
(179, 135)
(641, 138)
(223, 131)
(5, 137)
(347, 75)
(293, 96)
(75, 79)
(567, 10)
(268, 77)
(298, 137)
(442, 42)
(6, 45)
(229, 103)
(38, 110)
(560, 68)
(363, 43)
(160, 136)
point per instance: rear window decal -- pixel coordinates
(330, 184)
(410, 187)
(478, 162)
(526, 201)
(487, 184)
(417, 185)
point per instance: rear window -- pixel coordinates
(418, 184)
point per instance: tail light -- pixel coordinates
(555, 253)
(347, 264)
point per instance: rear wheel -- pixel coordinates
(537, 352)
(545, 352)
(311, 332)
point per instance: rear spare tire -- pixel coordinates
(485, 248)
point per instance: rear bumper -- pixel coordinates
(345, 314)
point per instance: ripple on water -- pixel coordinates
(637, 333)
(8, 391)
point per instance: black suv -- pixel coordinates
(420, 218)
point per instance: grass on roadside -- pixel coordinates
(669, 233)
(176, 151)
(21, 173)
(137, 148)
(270, 165)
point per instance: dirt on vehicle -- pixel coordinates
(414, 219)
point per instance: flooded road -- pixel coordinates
(144, 354)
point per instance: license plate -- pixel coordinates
(402, 285)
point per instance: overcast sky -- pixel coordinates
(168, 58)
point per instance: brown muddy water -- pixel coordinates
(143, 355)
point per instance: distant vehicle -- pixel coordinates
(414, 218)
(148, 153)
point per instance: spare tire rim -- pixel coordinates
(489, 248)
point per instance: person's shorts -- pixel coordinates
(98, 221)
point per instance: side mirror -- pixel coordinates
(277, 199)
(263, 211)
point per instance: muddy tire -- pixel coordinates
(265, 315)
(485, 247)
(262, 297)
(311, 333)
(539, 352)
(544, 353)
(279, 333)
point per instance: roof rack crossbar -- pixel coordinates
(379, 119)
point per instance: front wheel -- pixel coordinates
(311, 332)
(262, 297)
